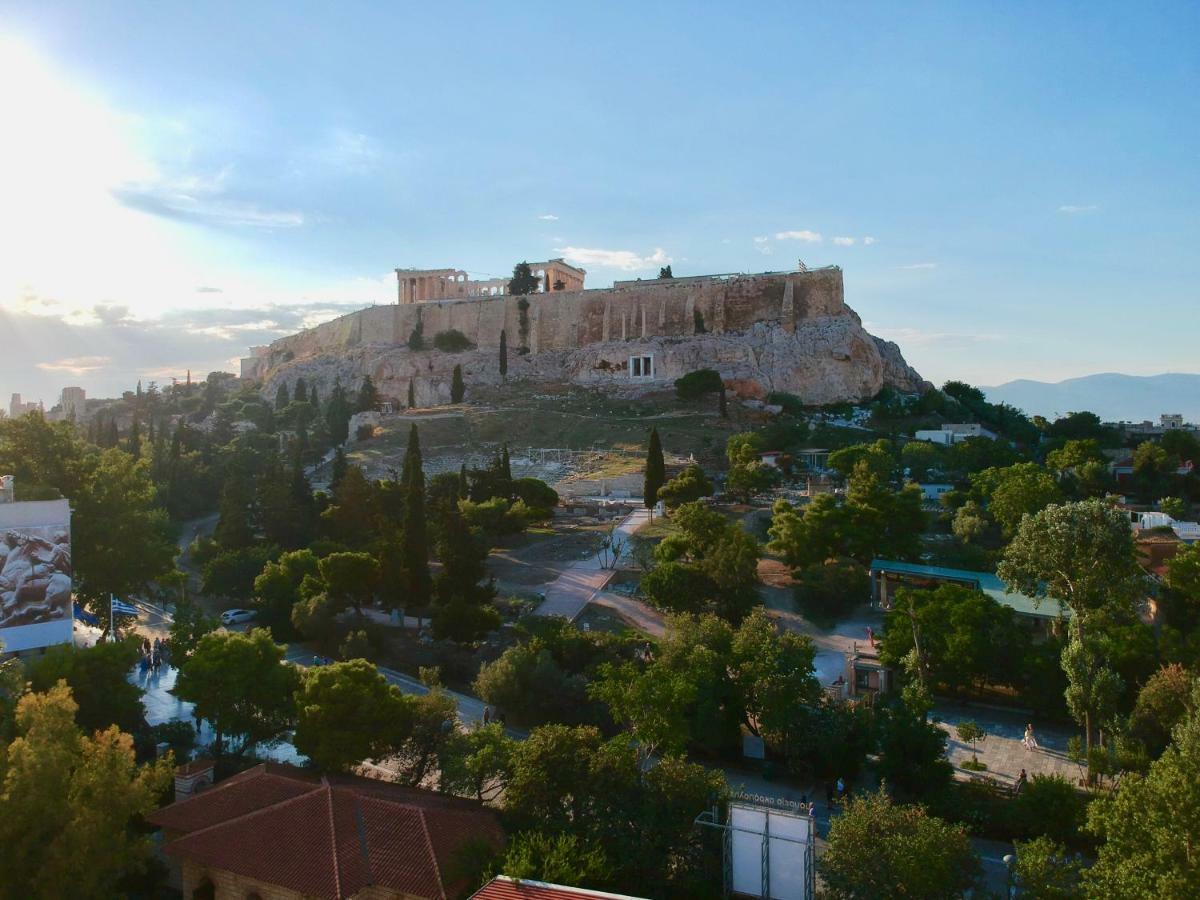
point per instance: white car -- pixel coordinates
(236, 616)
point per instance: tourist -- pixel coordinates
(1029, 740)
(487, 715)
(1020, 785)
(841, 788)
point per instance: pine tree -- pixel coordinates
(412, 396)
(457, 388)
(281, 396)
(300, 394)
(523, 280)
(416, 536)
(656, 471)
(503, 353)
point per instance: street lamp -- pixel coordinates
(1010, 860)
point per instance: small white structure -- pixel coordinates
(932, 493)
(641, 366)
(1188, 532)
(953, 433)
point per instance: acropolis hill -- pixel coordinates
(774, 331)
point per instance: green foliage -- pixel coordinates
(97, 677)
(1173, 507)
(689, 485)
(967, 639)
(416, 538)
(416, 340)
(1162, 703)
(1016, 491)
(748, 475)
(878, 848)
(695, 385)
(452, 341)
(715, 557)
(523, 280)
(970, 732)
(476, 762)
(337, 415)
(1080, 554)
(277, 588)
(1151, 826)
(191, 623)
(1045, 871)
(912, 753)
(535, 493)
(556, 859)
(350, 579)
(347, 713)
(240, 683)
(69, 804)
(828, 591)
(879, 458)
(656, 470)
(232, 573)
(457, 389)
(1049, 806)
(368, 396)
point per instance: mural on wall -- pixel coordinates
(35, 575)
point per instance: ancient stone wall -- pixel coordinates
(569, 320)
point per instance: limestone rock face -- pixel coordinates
(821, 359)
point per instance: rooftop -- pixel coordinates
(504, 888)
(987, 582)
(327, 837)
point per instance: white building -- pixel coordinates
(954, 433)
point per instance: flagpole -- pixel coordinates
(112, 628)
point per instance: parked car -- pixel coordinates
(236, 616)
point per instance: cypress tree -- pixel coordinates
(300, 394)
(656, 471)
(412, 396)
(314, 400)
(134, 446)
(506, 472)
(337, 471)
(464, 490)
(457, 388)
(337, 415)
(416, 537)
(281, 396)
(368, 396)
(503, 353)
(722, 407)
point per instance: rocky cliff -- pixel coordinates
(826, 359)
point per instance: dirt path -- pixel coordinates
(579, 582)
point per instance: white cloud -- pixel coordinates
(1072, 209)
(625, 260)
(199, 199)
(868, 241)
(811, 237)
(920, 266)
(548, 217)
(76, 365)
(762, 244)
(844, 241)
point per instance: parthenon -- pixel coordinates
(430, 285)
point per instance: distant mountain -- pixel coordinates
(1111, 395)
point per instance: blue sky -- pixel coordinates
(1011, 189)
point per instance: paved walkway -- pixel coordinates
(1002, 751)
(574, 588)
(643, 616)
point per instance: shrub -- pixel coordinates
(690, 484)
(416, 340)
(452, 341)
(792, 405)
(1051, 806)
(535, 492)
(697, 384)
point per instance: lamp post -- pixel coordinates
(1010, 860)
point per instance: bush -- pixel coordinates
(535, 492)
(696, 384)
(180, 735)
(1051, 806)
(356, 646)
(792, 405)
(690, 484)
(452, 341)
(416, 340)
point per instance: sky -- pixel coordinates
(1011, 189)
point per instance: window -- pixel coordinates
(862, 679)
(641, 366)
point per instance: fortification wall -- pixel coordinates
(570, 320)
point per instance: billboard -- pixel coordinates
(772, 850)
(35, 574)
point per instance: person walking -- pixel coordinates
(1030, 741)
(487, 715)
(841, 788)
(1020, 785)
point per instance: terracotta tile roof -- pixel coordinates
(328, 837)
(504, 888)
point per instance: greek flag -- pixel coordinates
(121, 608)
